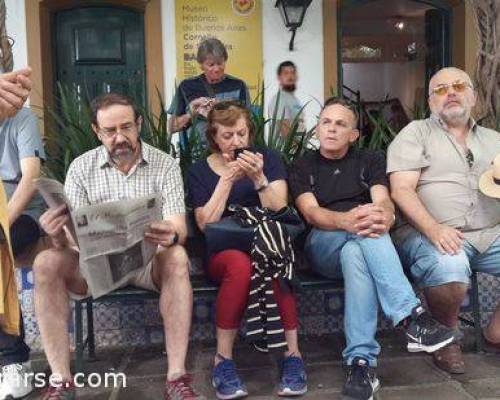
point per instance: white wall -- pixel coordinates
(16, 29)
(169, 52)
(307, 54)
(376, 80)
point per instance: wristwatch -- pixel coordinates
(175, 239)
(263, 185)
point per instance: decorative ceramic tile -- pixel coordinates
(27, 302)
(334, 323)
(25, 278)
(156, 336)
(34, 342)
(106, 316)
(313, 325)
(152, 313)
(138, 322)
(30, 324)
(310, 302)
(132, 315)
(203, 310)
(108, 338)
(334, 303)
(203, 332)
(489, 290)
(134, 337)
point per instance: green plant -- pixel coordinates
(155, 128)
(290, 146)
(69, 131)
(420, 110)
(381, 135)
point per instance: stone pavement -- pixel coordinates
(403, 376)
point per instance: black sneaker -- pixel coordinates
(424, 333)
(361, 381)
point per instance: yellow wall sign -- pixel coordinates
(237, 23)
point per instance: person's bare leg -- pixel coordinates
(225, 342)
(56, 272)
(444, 302)
(171, 275)
(292, 340)
(492, 331)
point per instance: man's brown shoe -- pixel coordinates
(450, 359)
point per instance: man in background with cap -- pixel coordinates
(434, 166)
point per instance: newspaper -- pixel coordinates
(52, 192)
(110, 236)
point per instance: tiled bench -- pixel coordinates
(204, 288)
(201, 287)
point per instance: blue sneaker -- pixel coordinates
(293, 377)
(226, 381)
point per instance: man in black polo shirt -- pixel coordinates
(343, 193)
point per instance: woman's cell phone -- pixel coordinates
(237, 152)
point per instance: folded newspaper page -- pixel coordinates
(52, 192)
(110, 236)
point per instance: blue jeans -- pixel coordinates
(372, 273)
(429, 267)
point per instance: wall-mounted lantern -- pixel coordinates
(292, 12)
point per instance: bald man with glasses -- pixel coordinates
(451, 228)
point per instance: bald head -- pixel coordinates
(449, 74)
(452, 96)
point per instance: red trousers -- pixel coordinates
(232, 269)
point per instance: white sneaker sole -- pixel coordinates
(418, 347)
(18, 395)
(237, 395)
(290, 392)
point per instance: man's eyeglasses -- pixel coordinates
(124, 130)
(458, 86)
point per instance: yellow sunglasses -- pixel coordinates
(458, 86)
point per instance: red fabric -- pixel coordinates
(232, 269)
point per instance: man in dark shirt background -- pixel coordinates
(343, 193)
(196, 96)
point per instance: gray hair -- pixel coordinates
(211, 47)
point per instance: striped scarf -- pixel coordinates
(272, 258)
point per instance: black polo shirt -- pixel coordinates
(342, 184)
(230, 88)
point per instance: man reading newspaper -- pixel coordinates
(123, 168)
(110, 236)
